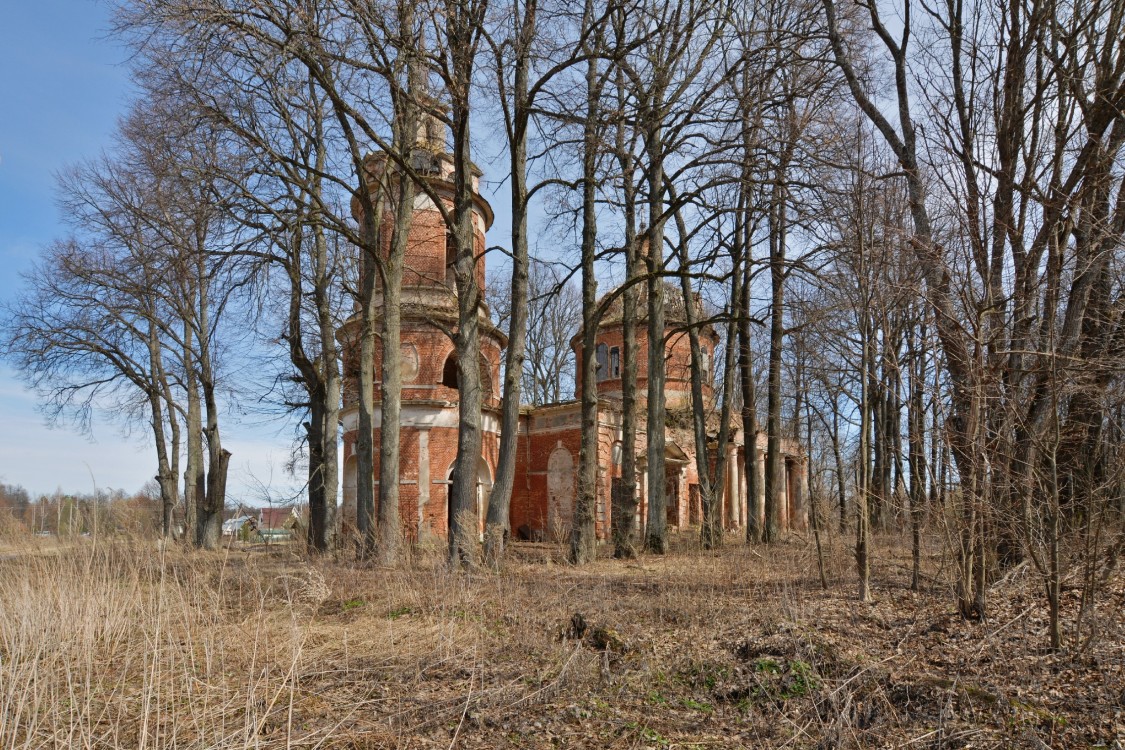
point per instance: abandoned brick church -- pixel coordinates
(545, 484)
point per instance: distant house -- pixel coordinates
(278, 524)
(233, 526)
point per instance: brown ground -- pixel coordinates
(121, 647)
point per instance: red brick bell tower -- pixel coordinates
(429, 393)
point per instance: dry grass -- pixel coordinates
(124, 645)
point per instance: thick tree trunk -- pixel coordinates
(390, 523)
(656, 528)
(464, 520)
(498, 525)
(749, 403)
(329, 391)
(211, 509)
(370, 265)
(775, 478)
(165, 474)
(583, 539)
(320, 377)
(194, 484)
(402, 189)
(624, 499)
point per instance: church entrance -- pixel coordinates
(560, 493)
(484, 489)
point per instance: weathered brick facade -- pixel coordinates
(430, 395)
(545, 484)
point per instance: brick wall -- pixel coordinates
(677, 361)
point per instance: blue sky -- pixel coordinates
(63, 85)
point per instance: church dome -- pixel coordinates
(675, 312)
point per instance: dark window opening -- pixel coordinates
(602, 362)
(615, 362)
(451, 378)
(450, 249)
(449, 373)
(450, 258)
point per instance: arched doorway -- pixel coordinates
(560, 493)
(484, 489)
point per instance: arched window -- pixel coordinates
(451, 378)
(449, 372)
(450, 258)
(450, 249)
(614, 363)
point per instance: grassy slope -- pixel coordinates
(124, 646)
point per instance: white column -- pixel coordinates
(801, 496)
(743, 505)
(423, 478)
(783, 500)
(732, 487)
(760, 465)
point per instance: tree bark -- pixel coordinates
(498, 526)
(625, 499)
(583, 538)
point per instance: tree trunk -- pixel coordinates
(320, 375)
(841, 479)
(498, 526)
(464, 528)
(211, 509)
(656, 528)
(402, 188)
(194, 487)
(371, 221)
(916, 441)
(583, 537)
(775, 480)
(329, 390)
(165, 474)
(749, 398)
(624, 500)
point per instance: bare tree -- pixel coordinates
(1023, 205)
(553, 302)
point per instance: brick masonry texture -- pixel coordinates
(549, 440)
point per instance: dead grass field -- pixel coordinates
(122, 645)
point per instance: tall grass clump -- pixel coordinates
(122, 645)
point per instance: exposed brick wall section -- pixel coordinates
(425, 350)
(427, 280)
(677, 358)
